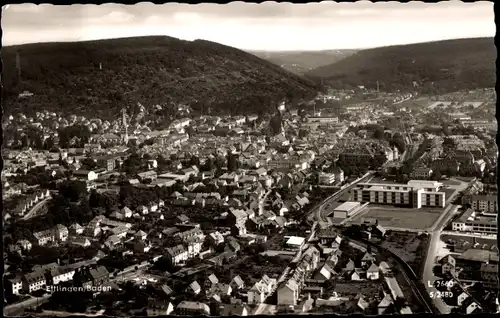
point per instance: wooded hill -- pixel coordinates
(451, 65)
(100, 77)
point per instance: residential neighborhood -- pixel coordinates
(210, 181)
(186, 212)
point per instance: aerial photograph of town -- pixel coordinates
(249, 159)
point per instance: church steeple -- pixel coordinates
(125, 126)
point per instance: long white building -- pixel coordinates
(323, 119)
(476, 222)
(416, 193)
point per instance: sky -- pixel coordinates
(269, 26)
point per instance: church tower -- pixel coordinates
(125, 126)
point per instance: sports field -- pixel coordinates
(400, 217)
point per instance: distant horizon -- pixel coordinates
(268, 26)
(250, 50)
(373, 47)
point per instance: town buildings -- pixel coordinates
(476, 222)
(260, 195)
(485, 203)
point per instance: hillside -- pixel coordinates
(103, 76)
(301, 62)
(451, 65)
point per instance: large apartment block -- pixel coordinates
(484, 203)
(416, 193)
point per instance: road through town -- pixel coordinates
(319, 213)
(428, 276)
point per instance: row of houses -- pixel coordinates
(26, 204)
(42, 276)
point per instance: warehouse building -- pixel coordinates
(345, 210)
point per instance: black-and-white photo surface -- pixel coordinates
(249, 159)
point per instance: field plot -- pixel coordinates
(381, 181)
(369, 289)
(404, 218)
(409, 246)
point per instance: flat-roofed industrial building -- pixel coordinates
(345, 210)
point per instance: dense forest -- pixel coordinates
(100, 77)
(441, 66)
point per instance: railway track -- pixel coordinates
(417, 292)
(408, 274)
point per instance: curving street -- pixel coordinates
(319, 212)
(436, 230)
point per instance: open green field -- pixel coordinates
(400, 217)
(409, 246)
(369, 289)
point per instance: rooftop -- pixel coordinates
(347, 206)
(484, 198)
(479, 255)
(192, 305)
(469, 216)
(489, 268)
(295, 240)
